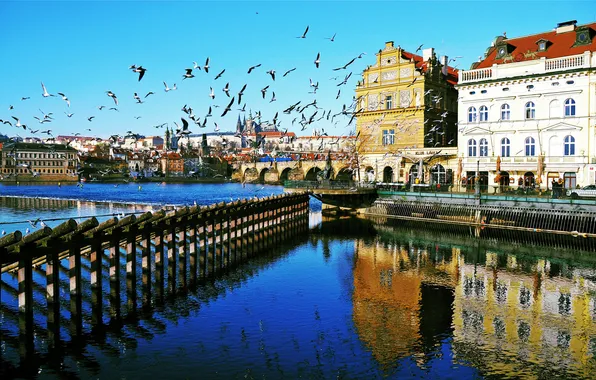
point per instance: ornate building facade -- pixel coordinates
(406, 114)
(528, 110)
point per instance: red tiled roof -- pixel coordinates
(560, 45)
(423, 65)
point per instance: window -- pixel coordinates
(483, 92)
(483, 148)
(530, 146)
(569, 145)
(472, 148)
(505, 112)
(505, 147)
(388, 136)
(569, 107)
(388, 102)
(530, 110)
(483, 113)
(542, 46)
(471, 114)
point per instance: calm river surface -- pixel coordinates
(353, 299)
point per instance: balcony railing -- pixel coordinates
(536, 66)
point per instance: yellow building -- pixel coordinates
(406, 118)
(29, 161)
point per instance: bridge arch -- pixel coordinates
(312, 173)
(284, 176)
(263, 174)
(345, 174)
(250, 175)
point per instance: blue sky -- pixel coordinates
(84, 48)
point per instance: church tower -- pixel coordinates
(167, 138)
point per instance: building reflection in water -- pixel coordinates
(505, 313)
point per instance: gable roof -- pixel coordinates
(560, 45)
(423, 66)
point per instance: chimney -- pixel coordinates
(388, 44)
(427, 54)
(567, 26)
(444, 62)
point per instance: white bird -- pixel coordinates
(45, 91)
(188, 74)
(318, 60)
(167, 88)
(226, 89)
(206, 67)
(212, 94)
(64, 98)
(113, 96)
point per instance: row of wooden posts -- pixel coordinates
(194, 243)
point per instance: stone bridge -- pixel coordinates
(278, 172)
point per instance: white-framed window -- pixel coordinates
(472, 148)
(505, 147)
(483, 111)
(505, 112)
(472, 115)
(569, 145)
(483, 145)
(530, 146)
(569, 107)
(388, 102)
(388, 137)
(530, 110)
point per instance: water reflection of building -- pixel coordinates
(402, 299)
(507, 314)
(519, 316)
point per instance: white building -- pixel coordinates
(530, 103)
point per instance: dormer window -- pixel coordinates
(583, 36)
(543, 44)
(502, 50)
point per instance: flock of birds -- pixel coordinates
(307, 113)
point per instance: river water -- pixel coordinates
(354, 299)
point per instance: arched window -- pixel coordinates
(483, 113)
(472, 148)
(472, 115)
(569, 107)
(505, 147)
(483, 148)
(530, 110)
(569, 144)
(505, 112)
(530, 146)
(554, 109)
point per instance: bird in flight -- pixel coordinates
(264, 90)
(113, 96)
(45, 93)
(219, 75)
(241, 93)
(211, 94)
(289, 71)
(332, 38)
(188, 74)
(206, 67)
(149, 93)
(228, 107)
(345, 66)
(226, 89)
(272, 73)
(272, 97)
(253, 67)
(90, 118)
(419, 48)
(64, 98)
(69, 114)
(318, 60)
(167, 88)
(304, 34)
(25, 97)
(140, 69)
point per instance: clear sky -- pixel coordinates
(85, 48)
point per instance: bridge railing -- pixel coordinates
(328, 184)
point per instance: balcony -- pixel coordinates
(525, 67)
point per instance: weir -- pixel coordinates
(131, 263)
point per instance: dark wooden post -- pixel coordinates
(159, 261)
(76, 291)
(192, 241)
(202, 225)
(225, 237)
(96, 275)
(115, 273)
(146, 265)
(171, 254)
(182, 236)
(25, 289)
(131, 269)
